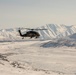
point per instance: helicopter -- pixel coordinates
(31, 33)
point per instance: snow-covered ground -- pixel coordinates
(31, 58)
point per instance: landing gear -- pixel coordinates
(36, 37)
(23, 38)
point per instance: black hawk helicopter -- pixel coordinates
(31, 33)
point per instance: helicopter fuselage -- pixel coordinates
(30, 34)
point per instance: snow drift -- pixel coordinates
(60, 43)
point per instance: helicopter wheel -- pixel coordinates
(23, 38)
(36, 37)
(30, 37)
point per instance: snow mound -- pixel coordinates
(60, 43)
(73, 36)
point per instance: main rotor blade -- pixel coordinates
(32, 29)
(25, 28)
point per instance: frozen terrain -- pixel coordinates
(54, 53)
(31, 58)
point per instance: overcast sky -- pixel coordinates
(35, 13)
